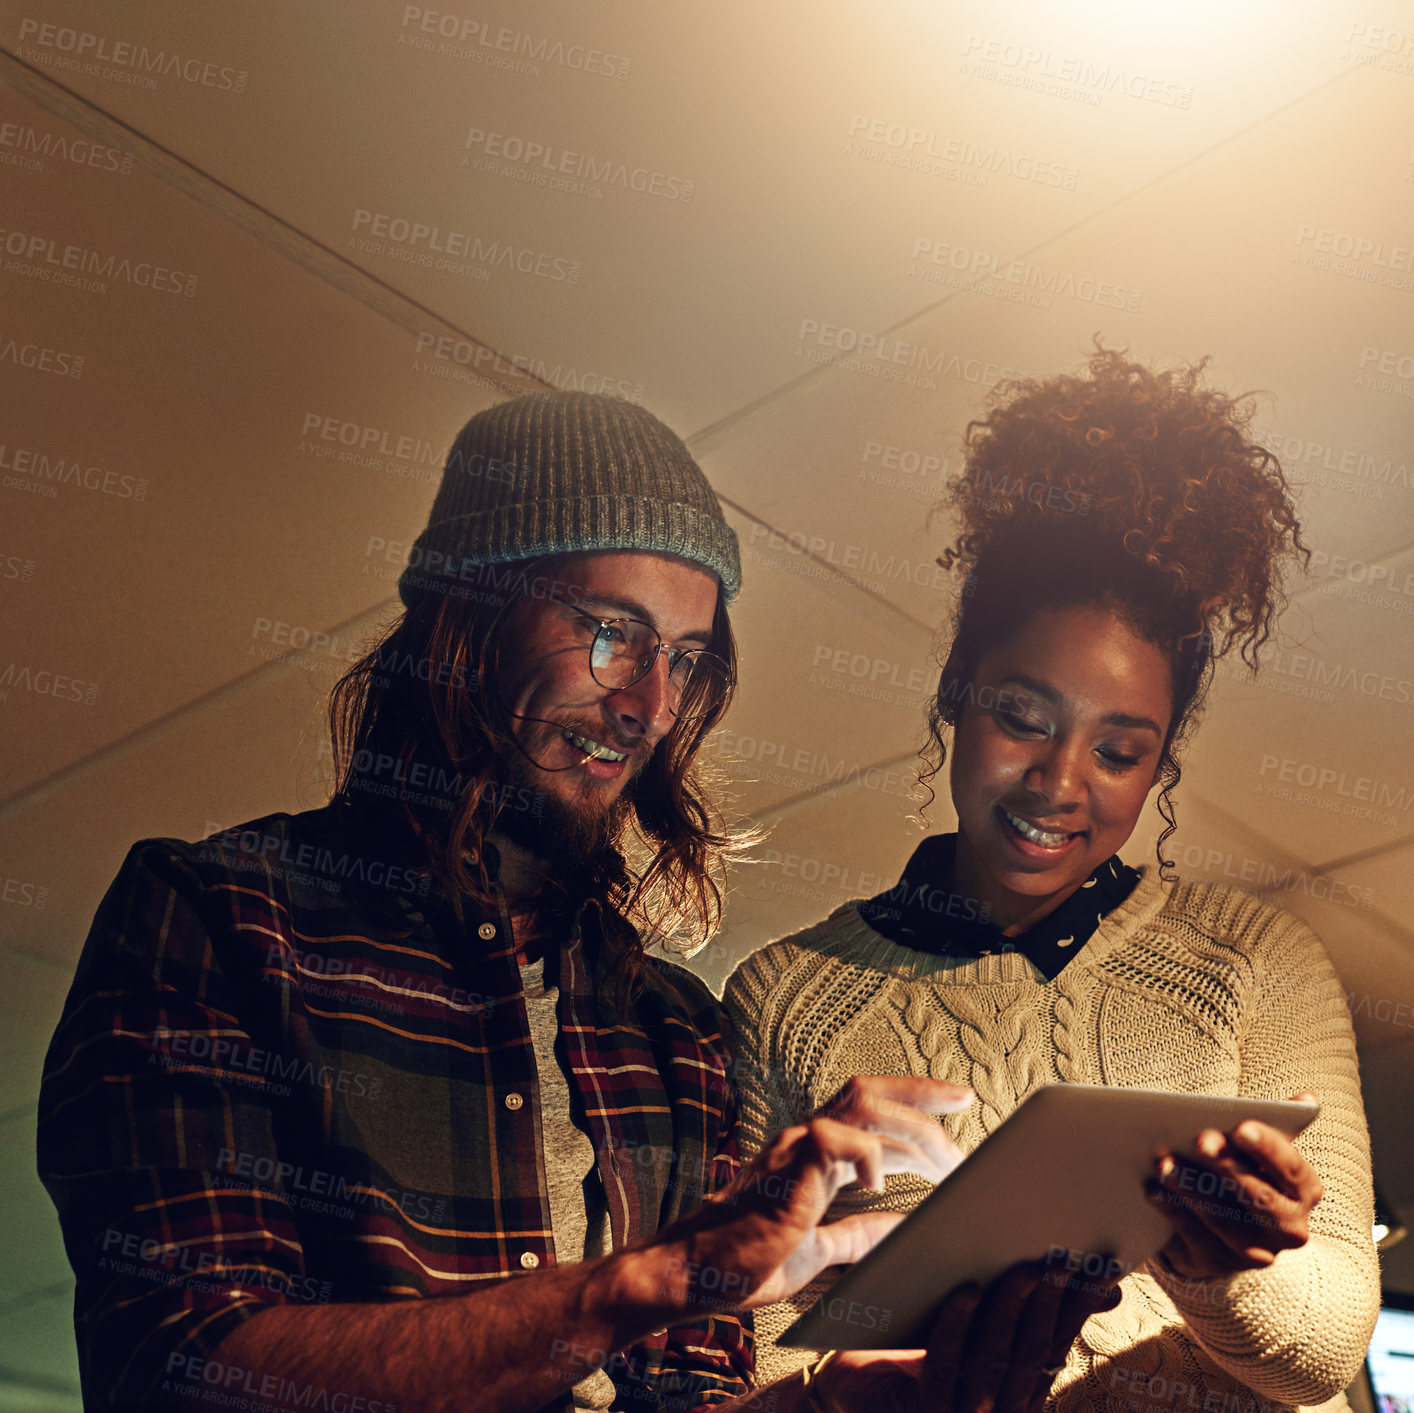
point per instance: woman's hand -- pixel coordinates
(991, 1351)
(1245, 1197)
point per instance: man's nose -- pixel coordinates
(645, 707)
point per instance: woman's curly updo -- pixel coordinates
(1128, 488)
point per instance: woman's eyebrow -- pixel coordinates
(1139, 723)
(1053, 695)
(1034, 684)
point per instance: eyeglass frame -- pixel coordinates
(675, 656)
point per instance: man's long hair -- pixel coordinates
(418, 728)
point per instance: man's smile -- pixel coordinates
(595, 750)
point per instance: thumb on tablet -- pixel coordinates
(846, 1241)
(850, 1238)
(830, 1244)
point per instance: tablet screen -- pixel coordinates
(1065, 1173)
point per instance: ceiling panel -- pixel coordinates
(813, 145)
(833, 683)
(816, 856)
(252, 750)
(238, 492)
(1311, 752)
(1387, 879)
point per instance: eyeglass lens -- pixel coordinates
(624, 651)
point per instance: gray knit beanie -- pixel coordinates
(564, 472)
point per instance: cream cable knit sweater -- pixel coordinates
(1194, 987)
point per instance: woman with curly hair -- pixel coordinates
(1120, 532)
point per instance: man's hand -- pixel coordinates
(1245, 1197)
(759, 1240)
(996, 1350)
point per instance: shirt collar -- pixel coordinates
(921, 911)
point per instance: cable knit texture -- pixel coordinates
(1192, 987)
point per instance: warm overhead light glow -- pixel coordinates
(1388, 1230)
(1189, 46)
(1388, 1235)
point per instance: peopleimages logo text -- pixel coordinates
(460, 245)
(81, 47)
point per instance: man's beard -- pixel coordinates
(574, 836)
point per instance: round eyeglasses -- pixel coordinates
(625, 650)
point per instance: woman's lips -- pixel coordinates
(1034, 841)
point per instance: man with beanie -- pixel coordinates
(324, 1067)
(394, 1104)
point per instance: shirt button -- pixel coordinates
(529, 1260)
(486, 931)
(514, 1101)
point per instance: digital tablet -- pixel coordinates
(1064, 1174)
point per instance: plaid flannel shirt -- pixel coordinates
(284, 1073)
